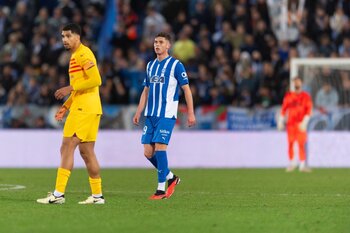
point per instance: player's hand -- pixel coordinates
(191, 120)
(136, 119)
(303, 124)
(280, 123)
(60, 113)
(302, 127)
(280, 126)
(62, 92)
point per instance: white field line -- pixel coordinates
(6, 187)
(230, 194)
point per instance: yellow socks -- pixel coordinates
(62, 180)
(96, 186)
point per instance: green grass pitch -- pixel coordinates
(207, 200)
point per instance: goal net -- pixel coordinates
(327, 80)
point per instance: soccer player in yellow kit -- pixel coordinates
(81, 126)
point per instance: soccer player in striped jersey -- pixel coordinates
(159, 101)
(297, 108)
(81, 126)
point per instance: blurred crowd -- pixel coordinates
(228, 47)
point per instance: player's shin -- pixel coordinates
(61, 181)
(163, 169)
(153, 160)
(96, 186)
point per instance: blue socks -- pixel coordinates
(162, 165)
(153, 160)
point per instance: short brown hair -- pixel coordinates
(297, 77)
(73, 27)
(164, 35)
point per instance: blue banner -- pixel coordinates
(245, 119)
(106, 33)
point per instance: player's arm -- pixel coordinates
(143, 98)
(141, 106)
(93, 80)
(60, 94)
(281, 117)
(182, 78)
(308, 112)
(63, 109)
(60, 113)
(68, 102)
(191, 121)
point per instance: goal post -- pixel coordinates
(337, 63)
(327, 80)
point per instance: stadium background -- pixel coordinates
(237, 54)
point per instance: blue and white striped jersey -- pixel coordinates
(163, 79)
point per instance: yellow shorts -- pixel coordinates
(83, 125)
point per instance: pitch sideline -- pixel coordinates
(230, 193)
(6, 187)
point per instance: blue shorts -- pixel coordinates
(157, 130)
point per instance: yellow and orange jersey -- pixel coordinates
(296, 106)
(85, 79)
